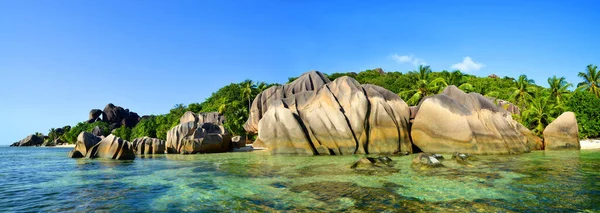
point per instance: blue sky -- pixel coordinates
(59, 59)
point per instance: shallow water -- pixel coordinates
(44, 179)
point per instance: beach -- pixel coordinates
(590, 143)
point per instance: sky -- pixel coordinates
(59, 59)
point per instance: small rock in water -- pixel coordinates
(438, 156)
(463, 158)
(371, 164)
(426, 161)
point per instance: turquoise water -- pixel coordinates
(45, 180)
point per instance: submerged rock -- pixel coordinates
(202, 134)
(463, 158)
(425, 161)
(339, 118)
(562, 133)
(455, 121)
(372, 165)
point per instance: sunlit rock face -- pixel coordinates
(110, 147)
(339, 118)
(148, 145)
(202, 133)
(562, 133)
(308, 81)
(455, 121)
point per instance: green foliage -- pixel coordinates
(123, 132)
(71, 135)
(585, 106)
(591, 80)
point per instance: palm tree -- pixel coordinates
(247, 88)
(539, 113)
(522, 91)
(424, 86)
(223, 104)
(591, 80)
(558, 87)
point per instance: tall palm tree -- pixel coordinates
(424, 86)
(522, 91)
(247, 88)
(539, 113)
(558, 88)
(223, 104)
(591, 80)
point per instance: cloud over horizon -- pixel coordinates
(401, 59)
(468, 65)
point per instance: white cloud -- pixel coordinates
(408, 59)
(468, 65)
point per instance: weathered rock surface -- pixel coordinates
(97, 131)
(562, 133)
(373, 165)
(455, 121)
(308, 81)
(112, 147)
(147, 145)
(85, 141)
(238, 141)
(31, 140)
(341, 117)
(94, 115)
(190, 137)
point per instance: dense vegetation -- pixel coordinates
(539, 105)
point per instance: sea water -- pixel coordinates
(45, 180)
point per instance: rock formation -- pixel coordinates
(31, 140)
(116, 117)
(147, 145)
(339, 118)
(94, 115)
(455, 121)
(85, 141)
(111, 147)
(562, 133)
(203, 133)
(308, 81)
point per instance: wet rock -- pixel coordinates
(562, 133)
(437, 156)
(372, 162)
(339, 118)
(425, 161)
(238, 141)
(464, 159)
(455, 121)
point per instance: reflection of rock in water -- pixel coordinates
(371, 199)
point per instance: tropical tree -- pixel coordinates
(425, 86)
(539, 113)
(522, 91)
(591, 80)
(247, 87)
(558, 88)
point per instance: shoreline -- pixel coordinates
(590, 144)
(63, 146)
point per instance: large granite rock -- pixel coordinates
(455, 121)
(94, 115)
(31, 140)
(147, 145)
(562, 133)
(202, 134)
(85, 141)
(117, 116)
(341, 117)
(112, 147)
(308, 81)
